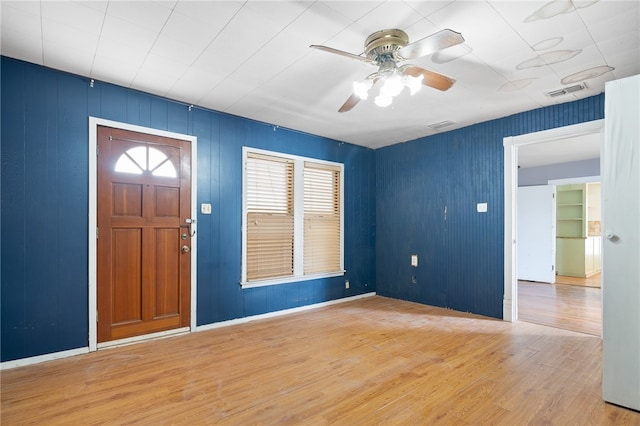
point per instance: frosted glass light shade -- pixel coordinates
(361, 88)
(392, 86)
(413, 83)
(383, 100)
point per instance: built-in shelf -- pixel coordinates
(577, 252)
(570, 211)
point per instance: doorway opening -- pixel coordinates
(566, 295)
(512, 146)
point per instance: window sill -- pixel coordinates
(287, 280)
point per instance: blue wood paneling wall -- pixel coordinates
(426, 196)
(417, 197)
(44, 253)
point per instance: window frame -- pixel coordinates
(298, 220)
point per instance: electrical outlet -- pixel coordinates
(346, 284)
(414, 260)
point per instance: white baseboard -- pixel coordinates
(116, 343)
(280, 313)
(42, 358)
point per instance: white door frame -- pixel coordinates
(511, 145)
(94, 122)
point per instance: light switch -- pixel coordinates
(482, 207)
(205, 208)
(414, 260)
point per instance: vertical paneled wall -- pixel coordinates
(44, 198)
(427, 191)
(44, 211)
(417, 197)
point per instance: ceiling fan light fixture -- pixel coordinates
(413, 83)
(361, 88)
(383, 100)
(386, 49)
(393, 85)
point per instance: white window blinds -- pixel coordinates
(322, 230)
(269, 204)
(292, 223)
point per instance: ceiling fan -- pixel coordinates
(385, 49)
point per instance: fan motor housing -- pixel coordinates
(385, 43)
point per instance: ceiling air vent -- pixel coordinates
(441, 125)
(566, 90)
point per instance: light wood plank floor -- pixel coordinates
(592, 281)
(569, 307)
(363, 362)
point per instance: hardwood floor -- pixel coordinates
(363, 362)
(569, 307)
(592, 281)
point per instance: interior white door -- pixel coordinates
(621, 244)
(536, 233)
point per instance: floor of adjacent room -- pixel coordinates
(368, 361)
(571, 303)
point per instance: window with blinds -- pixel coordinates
(321, 218)
(292, 218)
(269, 207)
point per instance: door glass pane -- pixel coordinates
(126, 165)
(139, 155)
(155, 158)
(165, 169)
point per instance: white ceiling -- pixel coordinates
(578, 148)
(252, 58)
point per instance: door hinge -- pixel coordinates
(97, 312)
(97, 233)
(97, 150)
(553, 267)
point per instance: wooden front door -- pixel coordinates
(144, 240)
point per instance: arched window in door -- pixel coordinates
(145, 159)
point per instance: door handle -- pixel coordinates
(185, 249)
(611, 236)
(189, 225)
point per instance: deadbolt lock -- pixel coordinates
(185, 249)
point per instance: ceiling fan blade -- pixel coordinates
(350, 103)
(354, 99)
(431, 79)
(431, 44)
(342, 53)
